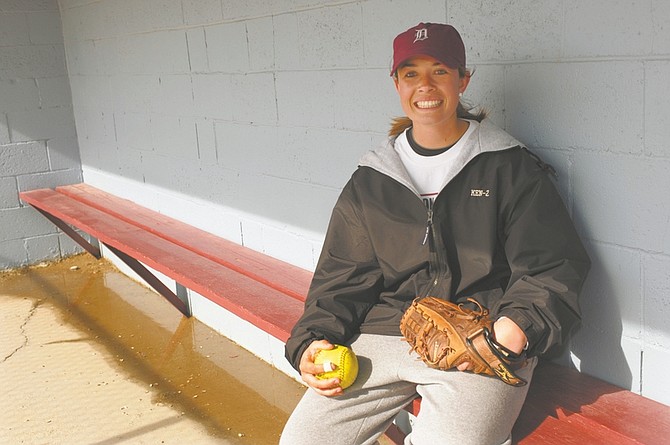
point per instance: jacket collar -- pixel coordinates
(486, 137)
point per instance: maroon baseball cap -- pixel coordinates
(436, 40)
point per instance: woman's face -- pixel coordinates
(429, 91)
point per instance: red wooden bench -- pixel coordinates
(264, 291)
(563, 405)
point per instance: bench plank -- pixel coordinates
(263, 306)
(574, 430)
(282, 276)
(561, 394)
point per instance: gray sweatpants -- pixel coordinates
(456, 408)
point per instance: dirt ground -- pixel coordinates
(89, 356)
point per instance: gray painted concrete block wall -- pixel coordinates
(246, 118)
(38, 144)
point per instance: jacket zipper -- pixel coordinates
(429, 227)
(430, 237)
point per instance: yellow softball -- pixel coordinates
(345, 360)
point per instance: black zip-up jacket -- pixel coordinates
(498, 232)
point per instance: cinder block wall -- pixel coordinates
(38, 144)
(246, 118)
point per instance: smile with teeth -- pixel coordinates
(428, 103)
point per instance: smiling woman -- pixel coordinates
(451, 207)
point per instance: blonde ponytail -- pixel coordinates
(398, 125)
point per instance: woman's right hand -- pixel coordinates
(309, 369)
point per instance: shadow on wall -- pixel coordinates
(38, 142)
(597, 344)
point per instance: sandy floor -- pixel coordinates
(88, 356)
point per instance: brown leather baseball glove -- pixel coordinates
(445, 335)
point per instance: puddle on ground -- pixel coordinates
(186, 365)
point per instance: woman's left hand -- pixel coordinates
(506, 333)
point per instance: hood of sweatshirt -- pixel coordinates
(486, 137)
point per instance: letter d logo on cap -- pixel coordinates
(421, 34)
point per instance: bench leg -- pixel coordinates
(152, 281)
(135, 265)
(69, 231)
